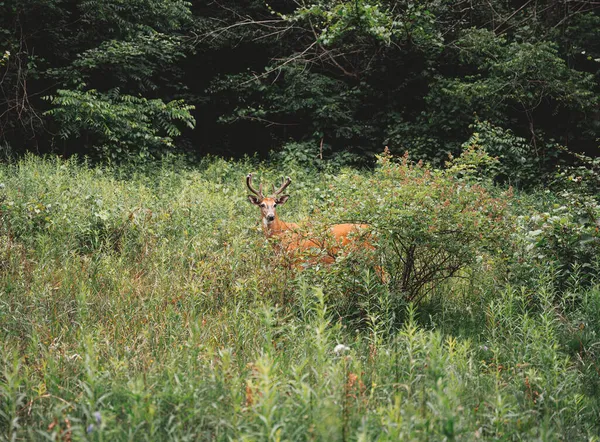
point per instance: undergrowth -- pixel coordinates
(149, 306)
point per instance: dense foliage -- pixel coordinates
(101, 73)
(140, 300)
(316, 79)
(148, 305)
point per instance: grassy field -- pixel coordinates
(149, 306)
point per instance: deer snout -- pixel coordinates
(270, 217)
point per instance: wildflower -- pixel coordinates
(340, 348)
(89, 428)
(98, 417)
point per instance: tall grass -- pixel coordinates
(148, 306)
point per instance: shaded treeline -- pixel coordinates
(310, 80)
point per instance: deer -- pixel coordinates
(292, 239)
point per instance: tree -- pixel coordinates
(111, 58)
(415, 75)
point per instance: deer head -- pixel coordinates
(268, 204)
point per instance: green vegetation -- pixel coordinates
(335, 79)
(140, 300)
(147, 305)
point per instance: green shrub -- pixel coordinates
(430, 225)
(120, 127)
(518, 163)
(565, 238)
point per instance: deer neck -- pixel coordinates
(275, 227)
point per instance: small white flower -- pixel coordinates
(340, 348)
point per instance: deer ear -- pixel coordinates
(282, 199)
(253, 199)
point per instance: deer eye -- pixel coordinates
(262, 204)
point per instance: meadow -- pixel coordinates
(146, 304)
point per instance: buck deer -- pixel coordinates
(293, 239)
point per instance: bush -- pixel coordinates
(119, 126)
(430, 224)
(518, 163)
(565, 238)
(311, 156)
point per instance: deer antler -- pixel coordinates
(284, 184)
(258, 192)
